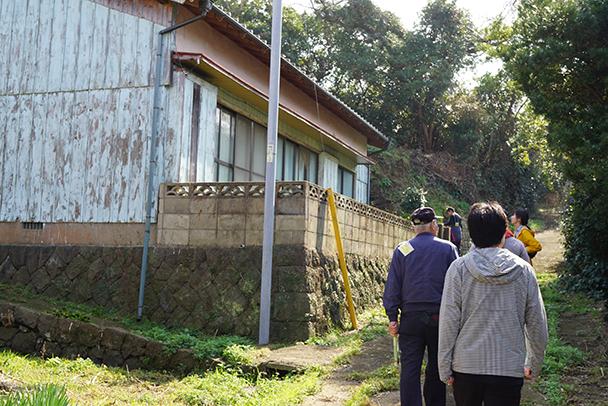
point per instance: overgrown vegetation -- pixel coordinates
(449, 144)
(372, 325)
(231, 350)
(383, 379)
(565, 79)
(42, 395)
(559, 356)
(87, 383)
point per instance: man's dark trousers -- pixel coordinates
(420, 330)
(489, 390)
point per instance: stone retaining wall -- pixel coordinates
(215, 290)
(33, 332)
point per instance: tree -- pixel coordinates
(424, 70)
(558, 53)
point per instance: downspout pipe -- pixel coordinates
(153, 164)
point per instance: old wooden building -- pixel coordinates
(76, 84)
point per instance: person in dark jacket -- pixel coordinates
(454, 221)
(413, 293)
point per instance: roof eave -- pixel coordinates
(290, 72)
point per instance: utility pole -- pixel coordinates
(270, 188)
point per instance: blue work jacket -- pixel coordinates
(416, 275)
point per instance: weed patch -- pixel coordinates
(88, 383)
(374, 324)
(47, 395)
(383, 379)
(559, 355)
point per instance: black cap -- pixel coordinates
(423, 215)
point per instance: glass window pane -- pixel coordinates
(226, 137)
(290, 160)
(259, 150)
(347, 182)
(312, 168)
(302, 166)
(225, 174)
(280, 156)
(257, 178)
(242, 147)
(241, 175)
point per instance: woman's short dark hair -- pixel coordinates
(523, 216)
(487, 224)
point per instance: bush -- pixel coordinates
(412, 198)
(47, 395)
(586, 267)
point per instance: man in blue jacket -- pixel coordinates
(413, 293)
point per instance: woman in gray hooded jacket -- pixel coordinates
(492, 322)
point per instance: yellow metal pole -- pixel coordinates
(334, 217)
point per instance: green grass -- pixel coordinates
(43, 395)
(559, 356)
(373, 324)
(536, 224)
(88, 383)
(383, 379)
(231, 350)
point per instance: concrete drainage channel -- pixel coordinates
(29, 331)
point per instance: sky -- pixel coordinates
(482, 12)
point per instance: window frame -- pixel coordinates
(282, 142)
(341, 171)
(219, 162)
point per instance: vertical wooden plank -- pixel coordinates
(54, 114)
(99, 47)
(115, 28)
(22, 179)
(208, 134)
(168, 45)
(17, 49)
(6, 25)
(29, 56)
(63, 154)
(128, 57)
(93, 155)
(10, 159)
(120, 156)
(57, 46)
(78, 144)
(104, 204)
(172, 128)
(37, 141)
(85, 45)
(144, 56)
(5, 108)
(70, 56)
(138, 154)
(43, 55)
(186, 123)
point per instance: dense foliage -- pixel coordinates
(405, 82)
(558, 53)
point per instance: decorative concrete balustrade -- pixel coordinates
(232, 215)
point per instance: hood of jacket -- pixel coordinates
(495, 266)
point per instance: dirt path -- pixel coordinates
(588, 382)
(338, 388)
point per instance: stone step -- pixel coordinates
(298, 358)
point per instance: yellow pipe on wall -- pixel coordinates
(334, 217)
